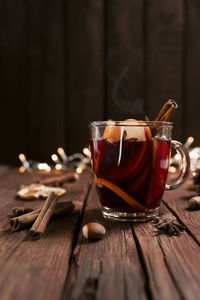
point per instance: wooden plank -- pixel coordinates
(125, 59)
(107, 269)
(84, 69)
(3, 169)
(46, 95)
(172, 263)
(166, 261)
(37, 269)
(13, 179)
(164, 58)
(12, 79)
(9, 185)
(179, 205)
(192, 70)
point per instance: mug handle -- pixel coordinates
(185, 168)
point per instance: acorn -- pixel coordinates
(93, 231)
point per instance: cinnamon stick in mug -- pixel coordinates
(167, 111)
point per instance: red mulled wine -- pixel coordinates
(136, 169)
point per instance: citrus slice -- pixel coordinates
(137, 131)
(111, 131)
(126, 197)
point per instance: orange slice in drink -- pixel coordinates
(111, 131)
(137, 131)
(118, 191)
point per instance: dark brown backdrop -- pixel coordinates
(65, 63)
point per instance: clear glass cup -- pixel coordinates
(130, 162)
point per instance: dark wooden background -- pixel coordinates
(65, 63)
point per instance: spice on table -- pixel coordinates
(194, 203)
(36, 191)
(59, 180)
(18, 211)
(169, 225)
(44, 216)
(93, 231)
(27, 219)
(156, 219)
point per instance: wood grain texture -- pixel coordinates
(65, 64)
(37, 269)
(164, 58)
(168, 263)
(12, 79)
(172, 263)
(130, 262)
(85, 69)
(125, 59)
(179, 205)
(46, 95)
(106, 269)
(192, 70)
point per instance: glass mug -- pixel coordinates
(130, 161)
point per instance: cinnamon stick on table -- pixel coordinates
(59, 180)
(44, 216)
(25, 220)
(18, 211)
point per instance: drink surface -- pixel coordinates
(137, 167)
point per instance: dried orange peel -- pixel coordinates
(114, 188)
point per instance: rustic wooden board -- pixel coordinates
(53, 62)
(179, 205)
(172, 263)
(167, 263)
(107, 269)
(37, 269)
(192, 86)
(84, 69)
(12, 79)
(165, 57)
(60, 64)
(125, 59)
(45, 78)
(130, 262)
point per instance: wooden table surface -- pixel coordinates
(131, 262)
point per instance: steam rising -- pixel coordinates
(136, 106)
(123, 68)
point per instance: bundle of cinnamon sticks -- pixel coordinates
(167, 111)
(165, 114)
(40, 217)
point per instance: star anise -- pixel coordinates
(169, 225)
